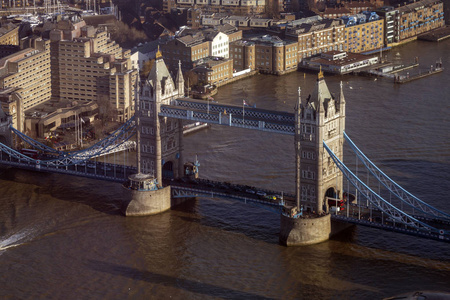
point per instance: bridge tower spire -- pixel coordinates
(180, 80)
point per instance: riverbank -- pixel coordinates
(436, 35)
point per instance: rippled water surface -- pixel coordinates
(64, 238)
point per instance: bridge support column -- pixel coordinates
(304, 231)
(143, 197)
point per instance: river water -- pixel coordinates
(63, 237)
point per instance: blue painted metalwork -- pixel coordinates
(399, 192)
(117, 138)
(230, 115)
(390, 210)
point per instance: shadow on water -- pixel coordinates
(178, 283)
(100, 195)
(232, 216)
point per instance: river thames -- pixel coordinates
(63, 237)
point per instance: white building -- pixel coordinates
(219, 44)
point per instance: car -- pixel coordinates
(261, 193)
(250, 191)
(92, 166)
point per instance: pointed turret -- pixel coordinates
(180, 81)
(341, 101)
(159, 76)
(320, 95)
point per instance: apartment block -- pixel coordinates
(29, 71)
(243, 54)
(316, 35)
(268, 54)
(419, 17)
(240, 7)
(9, 34)
(363, 32)
(90, 67)
(391, 32)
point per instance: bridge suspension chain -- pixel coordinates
(112, 143)
(32, 142)
(383, 205)
(394, 188)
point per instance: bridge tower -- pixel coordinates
(159, 143)
(5, 131)
(322, 120)
(161, 137)
(319, 118)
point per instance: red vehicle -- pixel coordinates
(339, 203)
(33, 153)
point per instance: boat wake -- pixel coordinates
(15, 240)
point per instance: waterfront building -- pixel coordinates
(419, 17)
(316, 35)
(391, 31)
(9, 34)
(363, 32)
(191, 45)
(218, 44)
(268, 54)
(214, 70)
(187, 48)
(243, 54)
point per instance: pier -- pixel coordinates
(408, 78)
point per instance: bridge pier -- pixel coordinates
(304, 231)
(143, 197)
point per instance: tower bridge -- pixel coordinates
(328, 195)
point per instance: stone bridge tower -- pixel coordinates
(322, 120)
(161, 137)
(159, 144)
(5, 131)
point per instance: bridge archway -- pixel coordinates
(331, 192)
(167, 170)
(3, 140)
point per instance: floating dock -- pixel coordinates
(407, 78)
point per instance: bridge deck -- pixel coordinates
(230, 115)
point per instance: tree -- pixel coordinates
(125, 35)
